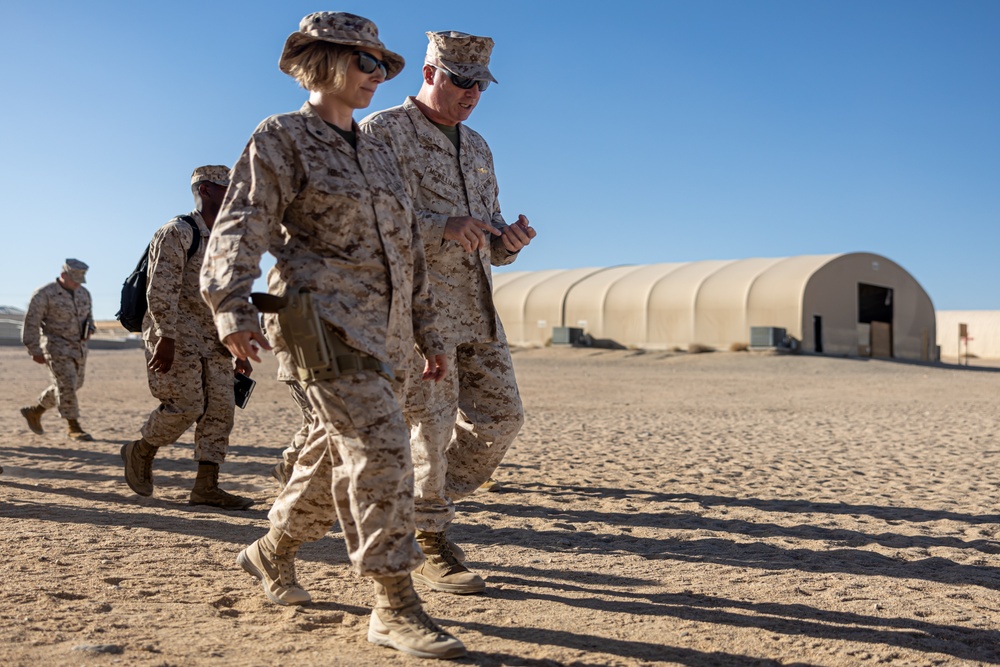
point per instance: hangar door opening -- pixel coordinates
(875, 320)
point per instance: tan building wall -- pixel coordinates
(714, 303)
(983, 328)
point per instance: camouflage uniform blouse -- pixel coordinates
(57, 322)
(448, 183)
(176, 309)
(339, 222)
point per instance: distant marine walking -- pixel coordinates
(57, 326)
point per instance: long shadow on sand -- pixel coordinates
(780, 505)
(112, 509)
(573, 528)
(790, 620)
(674, 520)
(740, 554)
(643, 652)
(166, 462)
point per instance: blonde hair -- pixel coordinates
(321, 66)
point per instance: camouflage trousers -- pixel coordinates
(355, 466)
(298, 392)
(197, 390)
(67, 376)
(460, 428)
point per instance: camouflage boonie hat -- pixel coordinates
(338, 28)
(460, 53)
(213, 173)
(76, 270)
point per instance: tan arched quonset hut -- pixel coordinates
(855, 304)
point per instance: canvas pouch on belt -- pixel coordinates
(320, 353)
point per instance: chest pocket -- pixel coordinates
(441, 193)
(328, 208)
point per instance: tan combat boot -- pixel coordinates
(272, 560)
(76, 432)
(442, 570)
(138, 458)
(206, 490)
(398, 621)
(33, 415)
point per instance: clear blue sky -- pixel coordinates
(628, 132)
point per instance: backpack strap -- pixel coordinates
(196, 241)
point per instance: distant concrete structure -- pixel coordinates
(853, 304)
(983, 330)
(11, 321)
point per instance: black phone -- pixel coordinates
(242, 388)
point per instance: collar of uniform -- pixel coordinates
(319, 129)
(428, 133)
(202, 227)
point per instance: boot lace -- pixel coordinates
(442, 548)
(286, 567)
(416, 621)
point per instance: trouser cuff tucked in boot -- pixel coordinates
(398, 621)
(206, 490)
(442, 570)
(272, 560)
(76, 432)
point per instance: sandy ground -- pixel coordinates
(714, 509)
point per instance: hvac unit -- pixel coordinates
(566, 335)
(767, 337)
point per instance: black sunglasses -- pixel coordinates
(367, 63)
(465, 82)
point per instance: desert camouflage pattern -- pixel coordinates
(287, 375)
(198, 389)
(58, 321)
(355, 467)
(297, 390)
(66, 376)
(338, 28)
(339, 223)
(461, 53)
(213, 173)
(272, 330)
(286, 370)
(76, 270)
(461, 428)
(176, 309)
(445, 183)
(56, 326)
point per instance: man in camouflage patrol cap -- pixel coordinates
(462, 426)
(188, 369)
(57, 326)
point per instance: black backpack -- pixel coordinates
(133, 303)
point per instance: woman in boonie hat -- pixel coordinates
(330, 205)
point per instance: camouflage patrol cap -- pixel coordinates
(76, 270)
(460, 53)
(338, 28)
(213, 173)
